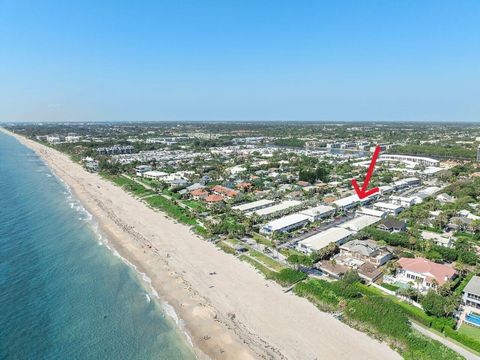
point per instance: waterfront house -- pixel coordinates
(366, 250)
(471, 302)
(224, 191)
(423, 274)
(471, 293)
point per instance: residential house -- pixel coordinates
(423, 274)
(244, 186)
(199, 194)
(392, 225)
(141, 169)
(390, 208)
(366, 250)
(224, 191)
(445, 198)
(445, 239)
(460, 223)
(471, 293)
(214, 199)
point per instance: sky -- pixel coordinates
(369, 60)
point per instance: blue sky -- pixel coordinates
(240, 60)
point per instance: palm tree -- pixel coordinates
(418, 281)
(412, 241)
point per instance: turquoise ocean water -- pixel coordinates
(63, 293)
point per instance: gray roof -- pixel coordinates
(473, 286)
(363, 247)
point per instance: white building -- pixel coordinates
(360, 222)
(254, 205)
(318, 241)
(425, 193)
(372, 212)
(155, 175)
(284, 205)
(141, 169)
(352, 201)
(72, 138)
(445, 239)
(318, 212)
(390, 208)
(284, 224)
(416, 159)
(407, 182)
(423, 274)
(53, 139)
(405, 201)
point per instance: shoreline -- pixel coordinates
(222, 314)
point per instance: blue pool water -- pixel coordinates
(473, 319)
(63, 293)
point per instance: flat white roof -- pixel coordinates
(371, 212)
(155, 173)
(253, 205)
(322, 239)
(385, 205)
(349, 200)
(317, 210)
(428, 191)
(279, 207)
(352, 199)
(286, 221)
(360, 222)
(414, 158)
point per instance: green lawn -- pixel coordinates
(226, 248)
(259, 266)
(171, 209)
(196, 205)
(470, 330)
(129, 185)
(262, 239)
(266, 260)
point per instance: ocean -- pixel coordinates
(64, 294)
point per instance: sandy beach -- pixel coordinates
(233, 314)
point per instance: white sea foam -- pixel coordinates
(170, 312)
(77, 206)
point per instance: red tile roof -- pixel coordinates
(214, 198)
(303, 183)
(441, 273)
(224, 191)
(244, 185)
(198, 192)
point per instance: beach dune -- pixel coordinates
(228, 309)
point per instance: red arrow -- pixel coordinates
(363, 192)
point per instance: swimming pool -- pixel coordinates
(473, 319)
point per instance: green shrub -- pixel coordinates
(421, 348)
(319, 292)
(286, 277)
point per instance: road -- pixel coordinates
(445, 341)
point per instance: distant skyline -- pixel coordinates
(244, 60)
